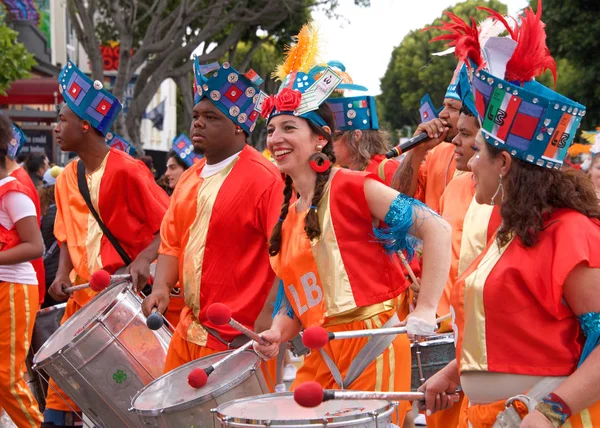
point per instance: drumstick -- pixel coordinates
(99, 280)
(220, 314)
(311, 394)
(199, 376)
(411, 273)
(317, 337)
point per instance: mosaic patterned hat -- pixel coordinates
(427, 111)
(518, 114)
(120, 143)
(16, 143)
(88, 100)
(236, 95)
(305, 84)
(184, 148)
(352, 113)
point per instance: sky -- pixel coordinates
(364, 38)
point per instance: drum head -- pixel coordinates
(172, 391)
(80, 321)
(281, 409)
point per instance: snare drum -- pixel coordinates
(280, 410)
(47, 321)
(104, 354)
(436, 352)
(171, 402)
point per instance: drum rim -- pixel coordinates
(198, 400)
(383, 412)
(86, 331)
(52, 308)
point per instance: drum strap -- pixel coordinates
(234, 344)
(85, 192)
(374, 347)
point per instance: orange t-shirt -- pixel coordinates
(435, 174)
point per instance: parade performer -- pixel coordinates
(179, 159)
(20, 242)
(427, 169)
(18, 172)
(122, 192)
(541, 340)
(334, 272)
(215, 234)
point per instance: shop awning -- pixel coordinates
(33, 91)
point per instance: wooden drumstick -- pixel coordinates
(311, 394)
(220, 314)
(199, 376)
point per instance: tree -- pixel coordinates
(157, 38)
(413, 71)
(573, 37)
(15, 60)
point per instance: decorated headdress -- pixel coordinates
(427, 111)
(16, 143)
(120, 143)
(236, 95)
(184, 148)
(518, 114)
(305, 84)
(88, 100)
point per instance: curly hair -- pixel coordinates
(46, 198)
(372, 142)
(311, 222)
(533, 192)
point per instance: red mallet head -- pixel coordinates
(218, 314)
(315, 337)
(99, 280)
(197, 378)
(309, 394)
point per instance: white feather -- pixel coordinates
(490, 27)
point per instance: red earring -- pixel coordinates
(319, 162)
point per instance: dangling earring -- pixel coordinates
(499, 190)
(318, 161)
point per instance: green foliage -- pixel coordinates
(573, 37)
(15, 60)
(413, 71)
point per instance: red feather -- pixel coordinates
(531, 57)
(464, 37)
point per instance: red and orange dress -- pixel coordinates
(510, 316)
(344, 280)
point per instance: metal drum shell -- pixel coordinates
(199, 410)
(375, 419)
(110, 358)
(436, 352)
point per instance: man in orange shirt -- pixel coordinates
(428, 168)
(122, 191)
(214, 237)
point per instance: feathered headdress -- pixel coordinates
(305, 84)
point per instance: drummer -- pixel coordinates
(21, 242)
(122, 191)
(214, 236)
(535, 342)
(334, 273)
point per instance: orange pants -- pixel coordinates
(389, 372)
(19, 305)
(447, 418)
(176, 304)
(182, 352)
(484, 415)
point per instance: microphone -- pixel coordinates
(407, 145)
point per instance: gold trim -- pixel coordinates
(193, 256)
(586, 419)
(361, 313)
(94, 232)
(474, 235)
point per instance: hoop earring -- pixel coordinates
(499, 190)
(319, 162)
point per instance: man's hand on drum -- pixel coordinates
(437, 388)
(267, 352)
(56, 290)
(139, 269)
(159, 298)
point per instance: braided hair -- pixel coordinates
(311, 222)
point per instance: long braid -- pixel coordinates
(311, 222)
(275, 239)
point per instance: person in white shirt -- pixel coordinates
(20, 242)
